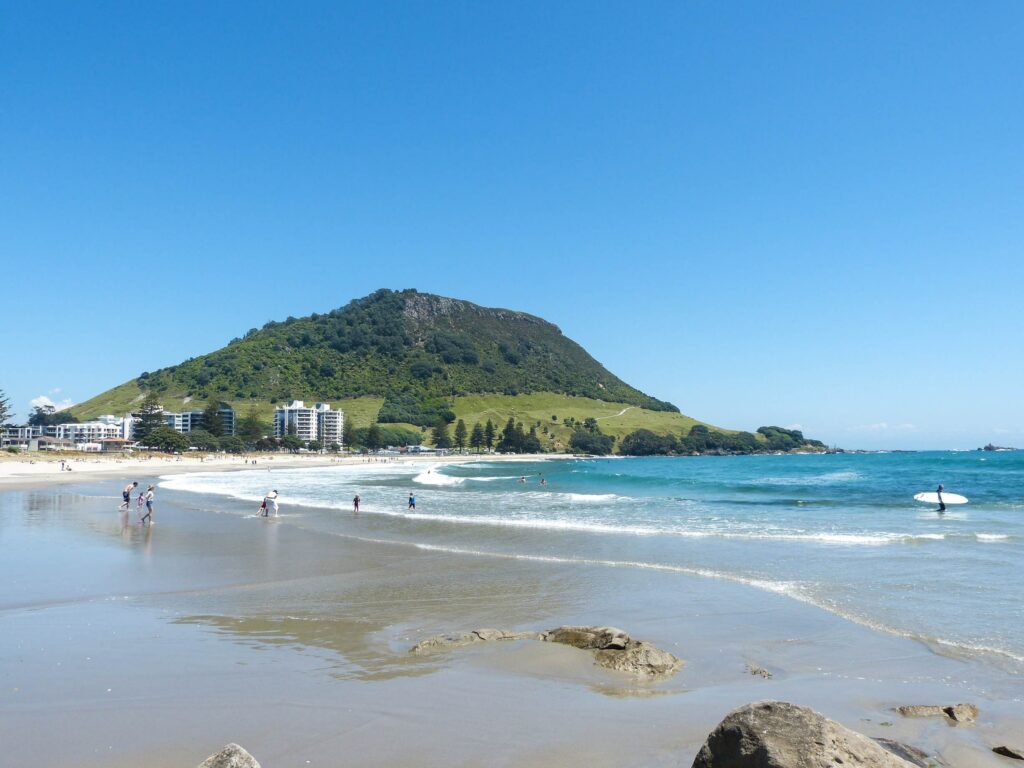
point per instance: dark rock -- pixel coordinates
(759, 671)
(232, 756)
(1016, 754)
(910, 754)
(776, 734)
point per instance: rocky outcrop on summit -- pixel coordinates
(960, 713)
(232, 756)
(777, 734)
(613, 648)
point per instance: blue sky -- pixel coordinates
(795, 213)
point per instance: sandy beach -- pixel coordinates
(158, 645)
(43, 468)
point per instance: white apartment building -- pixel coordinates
(89, 432)
(316, 423)
(330, 424)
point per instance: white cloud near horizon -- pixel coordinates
(44, 400)
(883, 426)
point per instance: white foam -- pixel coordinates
(433, 477)
(991, 536)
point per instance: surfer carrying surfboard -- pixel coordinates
(942, 504)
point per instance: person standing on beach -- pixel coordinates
(355, 504)
(412, 501)
(270, 500)
(126, 494)
(942, 504)
(149, 507)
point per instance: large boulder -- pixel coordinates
(777, 734)
(232, 756)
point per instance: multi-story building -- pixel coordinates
(87, 432)
(330, 425)
(295, 419)
(186, 421)
(317, 423)
(25, 437)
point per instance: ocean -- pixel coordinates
(841, 532)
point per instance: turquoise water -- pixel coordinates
(840, 531)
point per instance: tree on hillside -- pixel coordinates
(291, 442)
(212, 421)
(440, 436)
(151, 418)
(489, 435)
(203, 440)
(509, 442)
(460, 435)
(232, 444)
(348, 434)
(476, 437)
(595, 443)
(532, 443)
(165, 438)
(250, 428)
(374, 439)
(5, 408)
(45, 415)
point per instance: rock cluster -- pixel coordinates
(232, 756)
(960, 713)
(777, 734)
(613, 648)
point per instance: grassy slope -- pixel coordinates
(543, 405)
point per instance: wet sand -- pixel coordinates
(123, 646)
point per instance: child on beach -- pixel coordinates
(149, 507)
(270, 499)
(355, 504)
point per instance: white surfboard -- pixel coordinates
(933, 498)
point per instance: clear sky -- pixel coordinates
(767, 213)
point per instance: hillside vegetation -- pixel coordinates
(417, 352)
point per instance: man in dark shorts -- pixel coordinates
(126, 494)
(412, 501)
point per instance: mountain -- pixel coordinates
(417, 351)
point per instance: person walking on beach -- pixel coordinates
(126, 494)
(270, 500)
(139, 502)
(355, 504)
(942, 504)
(149, 507)
(412, 501)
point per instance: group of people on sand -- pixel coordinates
(145, 497)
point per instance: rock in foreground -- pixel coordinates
(232, 756)
(776, 734)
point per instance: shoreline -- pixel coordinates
(19, 471)
(211, 608)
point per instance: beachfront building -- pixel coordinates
(90, 433)
(25, 437)
(317, 423)
(330, 424)
(187, 421)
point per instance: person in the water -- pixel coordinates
(942, 504)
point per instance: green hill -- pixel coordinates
(416, 354)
